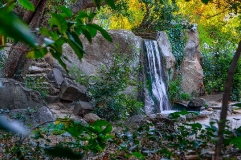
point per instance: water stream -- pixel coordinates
(156, 99)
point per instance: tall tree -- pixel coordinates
(17, 64)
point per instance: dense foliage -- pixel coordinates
(108, 93)
(150, 139)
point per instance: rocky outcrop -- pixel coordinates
(14, 95)
(166, 50)
(101, 51)
(191, 69)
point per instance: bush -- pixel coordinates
(37, 84)
(215, 63)
(174, 91)
(110, 101)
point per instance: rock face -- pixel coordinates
(14, 95)
(166, 50)
(192, 73)
(101, 51)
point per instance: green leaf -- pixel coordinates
(107, 129)
(52, 34)
(237, 104)
(205, 1)
(38, 53)
(92, 31)
(138, 155)
(15, 28)
(26, 4)
(104, 33)
(82, 15)
(87, 34)
(66, 11)
(100, 123)
(58, 57)
(59, 21)
(62, 152)
(236, 141)
(36, 134)
(111, 3)
(75, 44)
(75, 129)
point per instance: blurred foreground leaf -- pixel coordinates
(11, 126)
(15, 28)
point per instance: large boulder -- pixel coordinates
(100, 51)
(166, 50)
(32, 117)
(71, 91)
(14, 95)
(191, 69)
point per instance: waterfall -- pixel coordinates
(156, 99)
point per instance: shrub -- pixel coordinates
(174, 91)
(37, 84)
(215, 63)
(110, 101)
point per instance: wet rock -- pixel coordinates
(82, 108)
(91, 118)
(71, 91)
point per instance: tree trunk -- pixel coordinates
(16, 64)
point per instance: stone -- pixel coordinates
(135, 121)
(56, 76)
(209, 109)
(100, 51)
(205, 114)
(71, 91)
(91, 118)
(196, 103)
(32, 117)
(82, 108)
(191, 69)
(43, 114)
(166, 49)
(35, 69)
(14, 95)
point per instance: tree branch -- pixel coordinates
(83, 4)
(223, 114)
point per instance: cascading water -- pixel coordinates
(156, 99)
